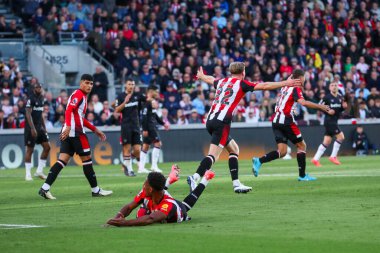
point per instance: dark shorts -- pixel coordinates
(78, 145)
(283, 133)
(42, 137)
(219, 131)
(153, 137)
(130, 135)
(332, 130)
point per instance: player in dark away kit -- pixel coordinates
(337, 104)
(150, 120)
(35, 133)
(128, 104)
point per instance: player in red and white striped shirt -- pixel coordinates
(285, 128)
(74, 140)
(229, 92)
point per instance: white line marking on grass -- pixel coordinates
(17, 226)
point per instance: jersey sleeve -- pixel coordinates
(159, 120)
(297, 94)
(72, 105)
(118, 100)
(30, 103)
(142, 98)
(139, 198)
(145, 120)
(165, 207)
(247, 85)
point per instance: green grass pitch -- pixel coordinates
(340, 212)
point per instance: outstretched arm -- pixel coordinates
(275, 85)
(205, 78)
(312, 105)
(154, 217)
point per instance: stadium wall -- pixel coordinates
(181, 143)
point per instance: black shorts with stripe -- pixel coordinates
(78, 145)
(332, 130)
(130, 135)
(219, 131)
(42, 137)
(283, 133)
(153, 136)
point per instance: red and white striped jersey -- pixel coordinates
(229, 92)
(284, 105)
(75, 112)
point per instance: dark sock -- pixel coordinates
(205, 165)
(89, 172)
(192, 198)
(54, 171)
(233, 164)
(270, 157)
(301, 159)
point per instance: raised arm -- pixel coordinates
(312, 105)
(276, 85)
(205, 78)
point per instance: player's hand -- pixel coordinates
(293, 82)
(145, 133)
(34, 133)
(331, 112)
(344, 105)
(326, 108)
(166, 126)
(100, 134)
(200, 73)
(116, 222)
(65, 133)
(127, 98)
(119, 215)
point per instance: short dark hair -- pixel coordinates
(156, 180)
(297, 73)
(129, 79)
(87, 77)
(153, 87)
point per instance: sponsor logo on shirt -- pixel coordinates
(74, 101)
(164, 207)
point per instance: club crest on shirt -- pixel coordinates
(165, 207)
(74, 101)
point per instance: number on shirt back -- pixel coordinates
(227, 94)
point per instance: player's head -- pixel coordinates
(154, 183)
(333, 88)
(299, 74)
(153, 91)
(237, 69)
(86, 83)
(37, 88)
(129, 85)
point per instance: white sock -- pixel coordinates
(28, 168)
(236, 182)
(196, 177)
(336, 148)
(41, 165)
(95, 189)
(142, 160)
(155, 156)
(167, 183)
(46, 187)
(128, 163)
(204, 181)
(321, 150)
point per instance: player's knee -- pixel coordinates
(282, 152)
(301, 146)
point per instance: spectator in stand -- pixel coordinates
(100, 84)
(363, 111)
(199, 103)
(98, 106)
(2, 120)
(172, 105)
(181, 118)
(361, 143)
(60, 122)
(186, 105)
(194, 117)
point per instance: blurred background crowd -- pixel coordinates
(164, 43)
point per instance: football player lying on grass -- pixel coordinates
(157, 205)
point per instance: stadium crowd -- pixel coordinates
(164, 43)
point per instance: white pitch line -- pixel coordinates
(17, 226)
